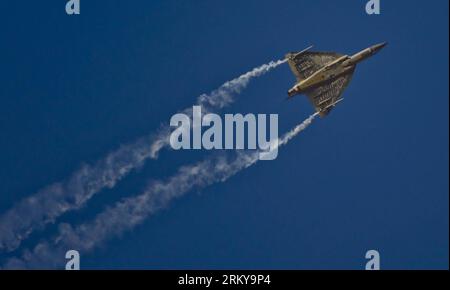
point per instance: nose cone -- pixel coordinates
(377, 47)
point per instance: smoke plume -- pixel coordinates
(46, 205)
(132, 211)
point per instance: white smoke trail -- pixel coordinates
(126, 214)
(217, 99)
(52, 201)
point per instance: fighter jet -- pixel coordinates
(323, 76)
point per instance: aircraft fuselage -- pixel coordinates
(333, 70)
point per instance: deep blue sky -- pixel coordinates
(372, 175)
